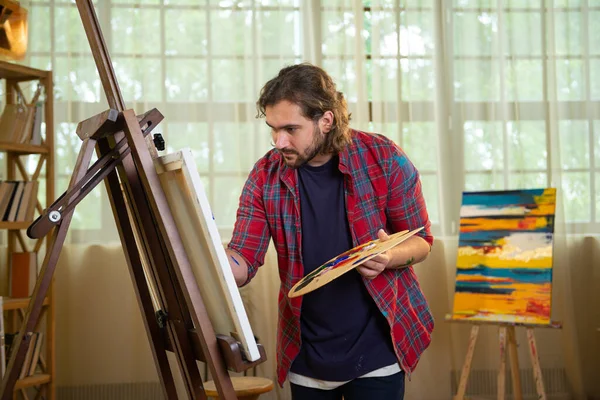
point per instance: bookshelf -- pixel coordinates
(15, 78)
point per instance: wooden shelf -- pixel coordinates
(15, 225)
(9, 303)
(22, 148)
(34, 380)
(13, 74)
(20, 72)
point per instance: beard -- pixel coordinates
(315, 147)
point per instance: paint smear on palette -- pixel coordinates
(505, 254)
(347, 261)
(342, 260)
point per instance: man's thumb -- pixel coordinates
(382, 235)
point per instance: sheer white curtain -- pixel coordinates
(200, 63)
(487, 95)
(481, 94)
(523, 108)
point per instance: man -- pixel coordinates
(322, 190)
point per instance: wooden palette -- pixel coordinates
(347, 261)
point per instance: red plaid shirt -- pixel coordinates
(382, 190)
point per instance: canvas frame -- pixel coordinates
(505, 257)
(200, 237)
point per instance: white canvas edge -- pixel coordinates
(242, 322)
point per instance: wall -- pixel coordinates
(101, 339)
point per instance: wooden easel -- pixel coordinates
(157, 262)
(507, 340)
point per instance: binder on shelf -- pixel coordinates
(23, 274)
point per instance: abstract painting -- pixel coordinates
(505, 253)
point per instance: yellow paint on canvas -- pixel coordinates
(547, 197)
(515, 304)
(474, 260)
(542, 209)
(512, 319)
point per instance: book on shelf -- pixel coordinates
(36, 133)
(18, 200)
(36, 353)
(24, 204)
(32, 355)
(17, 196)
(28, 356)
(6, 189)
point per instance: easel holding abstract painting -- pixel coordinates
(504, 274)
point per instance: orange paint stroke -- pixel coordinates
(492, 224)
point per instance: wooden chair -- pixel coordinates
(245, 387)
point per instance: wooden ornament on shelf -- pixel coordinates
(13, 30)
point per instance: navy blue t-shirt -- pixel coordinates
(344, 335)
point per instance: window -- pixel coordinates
(397, 57)
(525, 98)
(479, 96)
(212, 56)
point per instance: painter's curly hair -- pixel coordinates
(311, 88)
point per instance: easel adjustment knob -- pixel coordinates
(161, 318)
(54, 216)
(159, 142)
